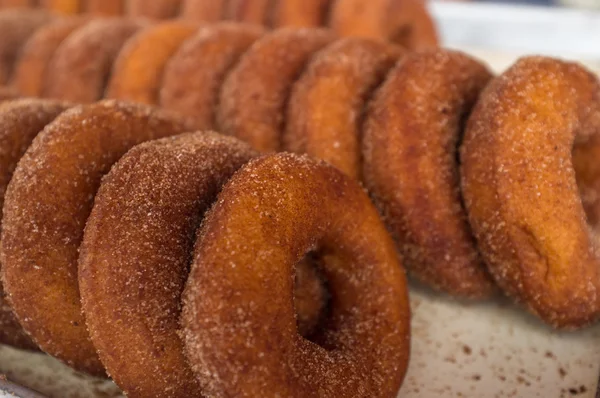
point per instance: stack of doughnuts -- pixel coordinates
(405, 22)
(116, 224)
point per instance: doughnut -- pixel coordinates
(82, 64)
(253, 97)
(7, 94)
(156, 9)
(20, 122)
(410, 168)
(194, 76)
(106, 7)
(17, 3)
(325, 109)
(250, 11)
(244, 256)
(405, 22)
(16, 26)
(529, 152)
(162, 189)
(32, 64)
(63, 6)
(138, 70)
(203, 10)
(47, 204)
(300, 13)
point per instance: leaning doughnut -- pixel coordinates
(138, 71)
(82, 64)
(63, 6)
(194, 76)
(325, 109)
(156, 9)
(525, 150)
(411, 135)
(20, 122)
(253, 97)
(47, 204)
(300, 13)
(250, 241)
(405, 22)
(161, 190)
(16, 27)
(203, 10)
(250, 11)
(32, 64)
(106, 7)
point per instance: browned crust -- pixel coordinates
(251, 345)
(521, 192)
(106, 7)
(254, 95)
(299, 13)
(81, 66)
(47, 204)
(139, 68)
(63, 6)
(155, 9)
(249, 11)
(203, 10)
(326, 107)
(193, 78)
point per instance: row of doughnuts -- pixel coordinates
(116, 223)
(406, 22)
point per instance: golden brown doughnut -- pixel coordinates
(106, 7)
(82, 64)
(32, 64)
(405, 22)
(250, 11)
(139, 68)
(203, 10)
(521, 158)
(194, 76)
(20, 122)
(47, 204)
(16, 26)
(254, 95)
(325, 110)
(267, 217)
(156, 9)
(161, 190)
(63, 6)
(410, 167)
(299, 13)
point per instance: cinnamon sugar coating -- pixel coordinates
(530, 187)
(410, 148)
(238, 317)
(46, 207)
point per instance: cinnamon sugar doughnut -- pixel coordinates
(63, 6)
(16, 26)
(410, 144)
(20, 122)
(106, 7)
(138, 71)
(82, 64)
(300, 13)
(250, 11)
(526, 149)
(161, 190)
(244, 256)
(194, 76)
(47, 204)
(157, 9)
(32, 64)
(325, 110)
(405, 22)
(203, 10)
(254, 95)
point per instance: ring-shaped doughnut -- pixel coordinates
(530, 150)
(194, 76)
(46, 207)
(81, 66)
(267, 217)
(326, 108)
(253, 97)
(410, 147)
(138, 71)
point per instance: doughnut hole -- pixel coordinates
(311, 296)
(586, 153)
